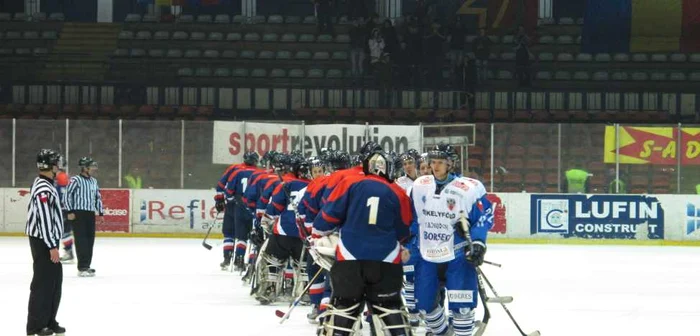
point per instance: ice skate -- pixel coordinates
(43, 332)
(313, 315)
(68, 257)
(85, 273)
(58, 330)
(239, 265)
(226, 263)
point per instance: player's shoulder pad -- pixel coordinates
(466, 185)
(423, 180)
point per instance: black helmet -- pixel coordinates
(281, 161)
(355, 160)
(339, 160)
(443, 151)
(47, 158)
(423, 158)
(410, 155)
(397, 161)
(86, 162)
(300, 166)
(268, 158)
(380, 164)
(251, 158)
(368, 148)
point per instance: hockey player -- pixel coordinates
(408, 161)
(337, 176)
(424, 165)
(372, 216)
(280, 222)
(309, 207)
(446, 252)
(243, 220)
(61, 184)
(230, 204)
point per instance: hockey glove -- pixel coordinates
(257, 236)
(267, 222)
(476, 252)
(220, 202)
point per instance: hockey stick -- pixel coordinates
(481, 325)
(492, 263)
(204, 242)
(285, 316)
(522, 333)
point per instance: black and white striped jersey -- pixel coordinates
(44, 217)
(83, 194)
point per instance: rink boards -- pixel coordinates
(518, 217)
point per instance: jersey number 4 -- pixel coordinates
(373, 204)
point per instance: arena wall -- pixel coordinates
(518, 217)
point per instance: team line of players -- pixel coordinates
(394, 233)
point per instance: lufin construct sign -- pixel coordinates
(600, 216)
(653, 145)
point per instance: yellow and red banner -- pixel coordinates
(654, 145)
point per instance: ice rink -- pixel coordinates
(174, 287)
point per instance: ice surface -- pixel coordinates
(174, 287)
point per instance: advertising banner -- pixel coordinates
(172, 211)
(653, 145)
(598, 216)
(233, 138)
(499, 214)
(116, 204)
(230, 143)
(15, 204)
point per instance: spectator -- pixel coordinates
(391, 39)
(576, 180)
(482, 51)
(434, 55)
(324, 16)
(358, 38)
(376, 47)
(522, 57)
(456, 37)
(615, 185)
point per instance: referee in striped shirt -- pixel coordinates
(44, 228)
(83, 200)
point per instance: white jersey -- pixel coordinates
(438, 214)
(404, 182)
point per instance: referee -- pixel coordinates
(44, 228)
(83, 199)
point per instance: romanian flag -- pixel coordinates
(641, 26)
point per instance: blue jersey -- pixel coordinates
(282, 205)
(61, 183)
(337, 176)
(266, 193)
(310, 203)
(221, 185)
(256, 183)
(372, 216)
(238, 181)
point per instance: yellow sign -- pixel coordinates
(653, 145)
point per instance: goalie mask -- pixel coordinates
(379, 164)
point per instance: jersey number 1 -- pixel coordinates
(373, 204)
(244, 184)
